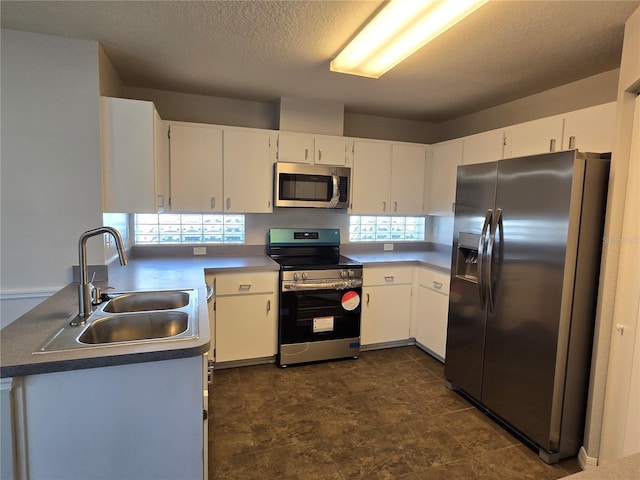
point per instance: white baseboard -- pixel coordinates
(586, 462)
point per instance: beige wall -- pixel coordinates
(590, 91)
(612, 385)
(583, 93)
(385, 128)
(186, 107)
(51, 182)
(110, 82)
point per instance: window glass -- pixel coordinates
(385, 229)
(188, 228)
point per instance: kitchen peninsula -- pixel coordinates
(138, 406)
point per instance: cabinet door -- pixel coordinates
(407, 179)
(483, 147)
(386, 314)
(128, 131)
(370, 181)
(592, 128)
(445, 158)
(248, 175)
(295, 148)
(330, 150)
(534, 137)
(196, 168)
(162, 173)
(245, 327)
(431, 320)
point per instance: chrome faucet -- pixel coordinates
(85, 287)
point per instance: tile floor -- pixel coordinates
(386, 415)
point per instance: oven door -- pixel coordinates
(317, 315)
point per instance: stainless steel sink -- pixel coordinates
(137, 326)
(131, 318)
(145, 301)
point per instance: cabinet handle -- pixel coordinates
(389, 278)
(228, 203)
(437, 285)
(384, 206)
(213, 202)
(306, 153)
(572, 142)
(367, 299)
(319, 154)
(552, 145)
(395, 206)
(244, 286)
(160, 201)
(268, 305)
(453, 207)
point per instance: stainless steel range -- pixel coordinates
(320, 296)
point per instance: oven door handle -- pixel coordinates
(331, 285)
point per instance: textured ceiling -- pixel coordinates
(264, 50)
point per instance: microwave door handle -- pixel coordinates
(335, 198)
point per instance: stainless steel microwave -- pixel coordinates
(315, 186)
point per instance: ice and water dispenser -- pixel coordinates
(467, 256)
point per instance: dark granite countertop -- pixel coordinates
(437, 260)
(25, 335)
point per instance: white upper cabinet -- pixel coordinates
(248, 171)
(330, 150)
(538, 136)
(220, 169)
(407, 179)
(483, 147)
(135, 160)
(443, 171)
(387, 178)
(370, 179)
(296, 147)
(592, 128)
(196, 168)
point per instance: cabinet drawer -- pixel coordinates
(386, 275)
(245, 283)
(434, 280)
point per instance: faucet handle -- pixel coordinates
(104, 296)
(94, 293)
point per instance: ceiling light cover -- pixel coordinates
(397, 31)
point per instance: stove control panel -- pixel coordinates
(310, 275)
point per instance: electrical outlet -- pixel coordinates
(199, 250)
(388, 247)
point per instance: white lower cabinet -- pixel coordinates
(386, 310)
(432, 309)
(245, 315)
(139, 420)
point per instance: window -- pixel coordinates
(188, 228)
(372, 229)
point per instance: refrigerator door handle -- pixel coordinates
(482, 257)
(497, 224)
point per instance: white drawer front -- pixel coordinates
(245, 283)
(434, 280)
(386, 275)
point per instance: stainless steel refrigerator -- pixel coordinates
(524, 275)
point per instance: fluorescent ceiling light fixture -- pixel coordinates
(398, 30)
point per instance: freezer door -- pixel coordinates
(475, 196)
(529, 240)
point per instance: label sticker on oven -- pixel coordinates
(350, 300)
(322, 324)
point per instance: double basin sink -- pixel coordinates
(130, 318)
